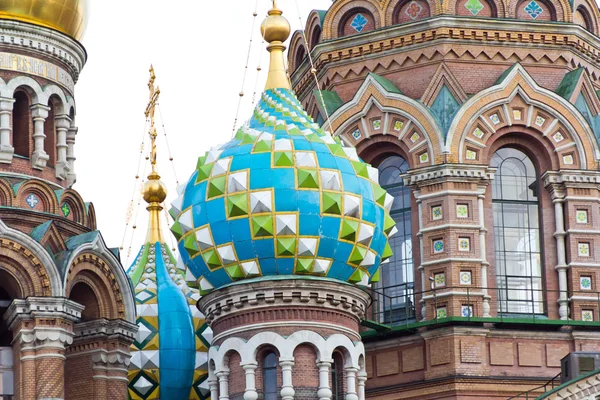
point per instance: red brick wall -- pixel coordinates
(305, 373)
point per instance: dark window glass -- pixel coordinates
(397, 276)
(517, 233)
(270, 376)
(337, 375)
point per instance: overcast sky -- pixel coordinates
(199, 50)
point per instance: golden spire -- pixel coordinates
(154, 191)
(276, 29)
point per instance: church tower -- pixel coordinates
(283, 227)
(66, 302)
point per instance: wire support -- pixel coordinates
(171, 159)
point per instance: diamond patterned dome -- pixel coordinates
(282, 198)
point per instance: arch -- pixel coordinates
(340, 11)
(24, 82)
(56, 108)
(314, 29)
(296, 43)
(552, 10)
(355, 21)
(104, 302)
(269, 363)
(300, 56)
(32, 267)
(392, 9)
(96, 258)
(76, 210)
(22, 127)
(91, 216)
(590, 14)
(83, 294)
(6, 193)
(42, 197)
(412, 116)
(541, 110)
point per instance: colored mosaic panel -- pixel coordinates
(466, 311)
(438, 246)
(465, 277)
(583, 249)
(437, 213)
(66, 210)
(517, 115)
(587, 315)
(539, 121)
(359, 22)
(464, 244)
(585, 283)
(415, 137)
(474, 6)
(32, 200)
(495, 119)
(462, 211)
(568, 160)
(413, 10)
(471, 155)
(290, 199)
(356, 134)
(377, 124)
(478, 133)
(398, 125)
(558, 137)
(424, 158)
(440, 279)
(581, 217)
(533, 9)
(441, 312)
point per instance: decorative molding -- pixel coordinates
(572, 176)
(461, 171)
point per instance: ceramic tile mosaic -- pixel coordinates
(32, 200)
(398, 126)
(462, 211)
(66, 210)
(464, 244)
(424, 158)
(415, 136)
(585, 282)
(568, 160)
(583, 249)
(466, 311)
(441, 312)
(495, 119)
(377, 124)
(581, 217)
(437, 213)
(587, 315)
(471, 155)
(478, 133)
(517, 115)
(539, 121)
(413, 10)
(533, 9)
(438, 246)
(558, 137)
(359, 22)
(465, 277)
(439, 279)
(356, 134)
(474, 6)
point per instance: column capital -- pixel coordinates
(250, 367)
(6, 103)
(222, 374)
(324, 362)
(42, 307)
(286, 363)
(39, 111)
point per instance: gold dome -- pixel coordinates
(66, 16)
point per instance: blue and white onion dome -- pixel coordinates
(283, 198)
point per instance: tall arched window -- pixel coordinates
(50, 132)
(21, 123)
(397, 276)
(337, 376)
(270, 376)
(517, 233)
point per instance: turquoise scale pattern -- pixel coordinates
(282, 198)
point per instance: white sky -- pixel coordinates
(198, 49)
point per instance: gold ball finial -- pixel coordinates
(154, 190)
(275, 28)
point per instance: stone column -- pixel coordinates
(213, 385)
(6, 148)
(99, 375)
(287, 388)
(420, 268)
(561, 264)
(223, 385)
(485, 306)
(324, 391)
(63, 123)
(71, 135)
(351, 383)
(362, 381)
(250, 393)
(39, 157)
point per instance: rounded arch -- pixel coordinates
(82, 293)
(57, 95)
(583, 18)
(22, 126)
(30, 85)
(299, 57)
(91, 216)
(379, 147)
(589, 12)
(297, 44)
(6, 195)
(37, 196)
(540, 10)
(314, 30)
(340, 12)
(75, 209)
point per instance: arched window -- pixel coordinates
(270, 376)
(517, 233)
(21, 125)
(337, 376)
(397, 276)
(50, 132)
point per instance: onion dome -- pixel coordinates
(170, 352)
(283, 198)
(68, 17)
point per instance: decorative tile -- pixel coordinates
(356, 134)
(438, 246)
(474, 6)
(585, 282)
(441, 312)
(398, 125)
(424, 158)
(471, 155)
(359, 22)
(465, 277)
(439, 279)
(568, 159)
(478, 133)
(66, 210)
(533, 9)
(466, 311)
(587, 315)
(462, 211)
(415, 136)
(437, 213)
(539, 121)
(413, 10)
(495, 119)
(517, 115)
(583, 249)
(558, 137)
(582, 217)
(32, 200)
(377, 124)
(464, 244)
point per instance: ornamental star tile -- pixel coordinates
(424, 158)
(465, 277)
(398, 126)
(415, 136)
(462, 211)
(471, 155)
(464, 244)
(585, 282)
(439, 279)
(495, 119)
(437, 213)
(539, 121)
(377, 124)
(568, 159)
(441, 312)
(356, 134)
(466, 311)
(582, 217)
(558, 137)
(587, 315)
(438, 246)
(517, 115)
(32, 200)
(478, 133)
(583, 249)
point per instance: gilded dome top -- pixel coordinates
(66, 16)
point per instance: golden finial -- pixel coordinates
(154, 191)
(276, 30)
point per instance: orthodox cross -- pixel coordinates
(154, 94)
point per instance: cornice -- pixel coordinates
(105, 327)
(448, 171)
(43, 307)
(567, 177)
